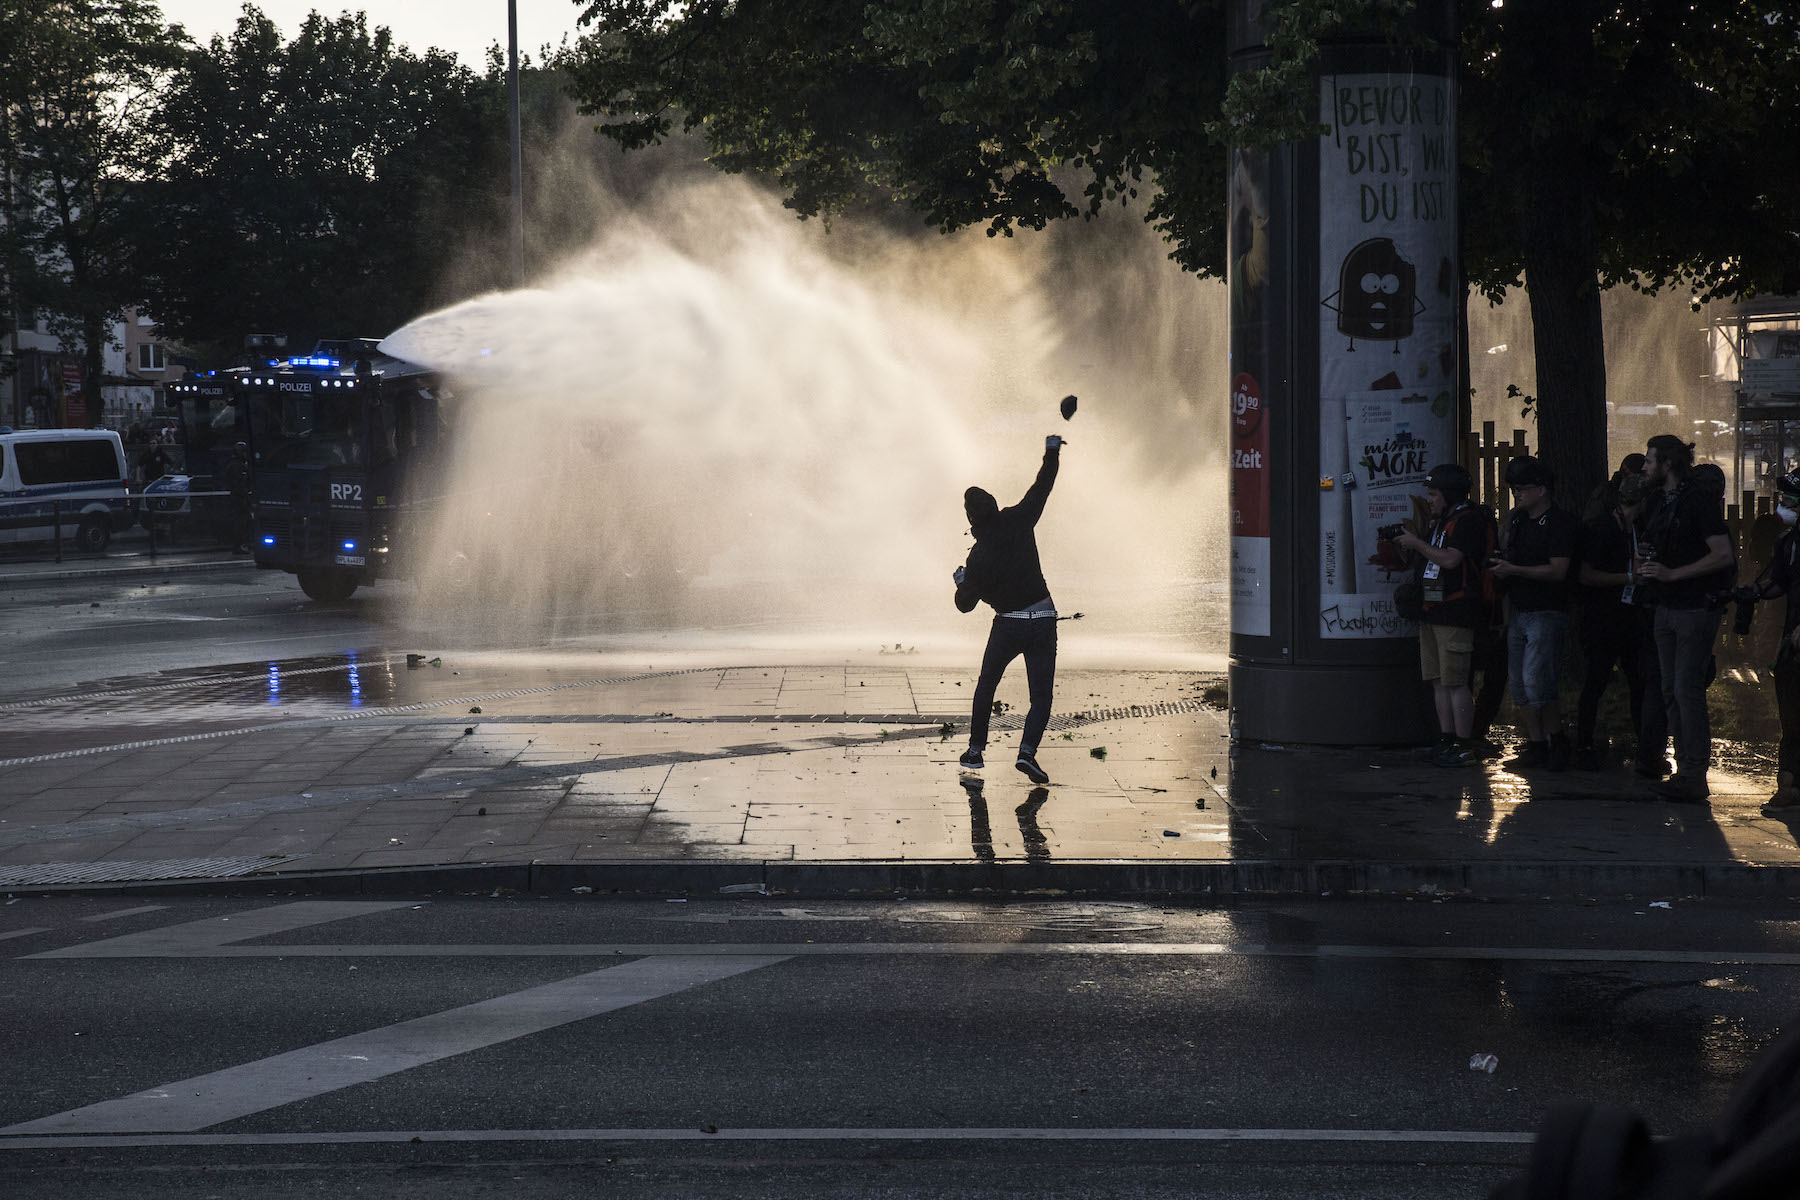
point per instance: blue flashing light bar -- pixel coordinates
(349, 545)
(268, 539)
(312, 360)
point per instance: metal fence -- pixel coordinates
(143, 507)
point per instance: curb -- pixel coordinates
(145, 568)
(1092, 878)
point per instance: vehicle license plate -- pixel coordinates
(350, 560)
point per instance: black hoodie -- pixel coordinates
(1003, 567)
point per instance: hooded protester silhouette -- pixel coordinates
(1003, 571)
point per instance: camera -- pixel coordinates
(1389, 533)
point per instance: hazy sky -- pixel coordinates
(462, 26)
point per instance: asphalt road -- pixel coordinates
(756, 1046)
(56, 635)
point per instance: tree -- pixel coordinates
(311, 187)
(76, 80)
(1640, 143)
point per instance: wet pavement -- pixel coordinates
(353, 762)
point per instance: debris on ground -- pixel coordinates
(468, 730)
(945, 730)
(1484, 1062)
(476, 709)
(583, 890)
(1098, 752)
(414, 661)
(1661, 904)
(437, 662)
(1170, 833)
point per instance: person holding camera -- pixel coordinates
(1781, 577)
(1615, 629)
(1450, 554)
(1687, 558)
(1541, 542)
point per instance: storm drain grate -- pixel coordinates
(131, 872)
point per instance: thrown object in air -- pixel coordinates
(1068, 407)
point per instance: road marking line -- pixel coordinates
(197, 939)
(187, 1105)
(18, 933)
(127, 912)
(1437, 1136)
(155, 944)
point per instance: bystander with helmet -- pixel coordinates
(1542, 542)
(1449, 577)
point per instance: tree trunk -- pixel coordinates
(93, 333)
(1550, 54)
(1561, 278)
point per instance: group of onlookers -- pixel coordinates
(1648, 575)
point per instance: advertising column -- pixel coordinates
(1387, 365)
(1252, 297)
(1345, 291)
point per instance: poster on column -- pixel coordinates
(1387, 333)
(1248, 280)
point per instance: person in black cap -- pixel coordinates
(1686, 556)
(1450, 563)
(1003, 570)
(1533, 568)
(1781, 577)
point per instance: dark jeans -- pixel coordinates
(1490, 659)
(1613, 635)
(1009, 638)
(1653, 721)
(1684, 647)
(1787, 702)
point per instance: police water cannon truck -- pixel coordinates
(344, 444)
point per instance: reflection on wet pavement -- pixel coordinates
(363, 761)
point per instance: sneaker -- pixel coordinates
(1558, 757)
(971, 758)
(1680, 790)
(1784, 803)
(1530, 755)
(1587, 758)
(1455, 754)
(1654, 769)
(1028, 765)
(1430, 753)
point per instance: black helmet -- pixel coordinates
(1788, 485)
(1526, 471)
(1451, 480)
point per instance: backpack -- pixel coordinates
(1476, 578)
(1752, 1152)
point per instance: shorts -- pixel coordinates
(1444, 654)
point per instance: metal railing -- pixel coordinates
(138, 504)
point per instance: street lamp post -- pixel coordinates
(518, 172)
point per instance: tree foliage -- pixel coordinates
(77, 80)
(965, 111)
(308, 187)
(1639, 142)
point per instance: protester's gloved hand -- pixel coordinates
(1053, 442)
(960, 574)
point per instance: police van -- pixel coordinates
(77, 473)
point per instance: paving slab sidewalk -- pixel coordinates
(488, 771)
